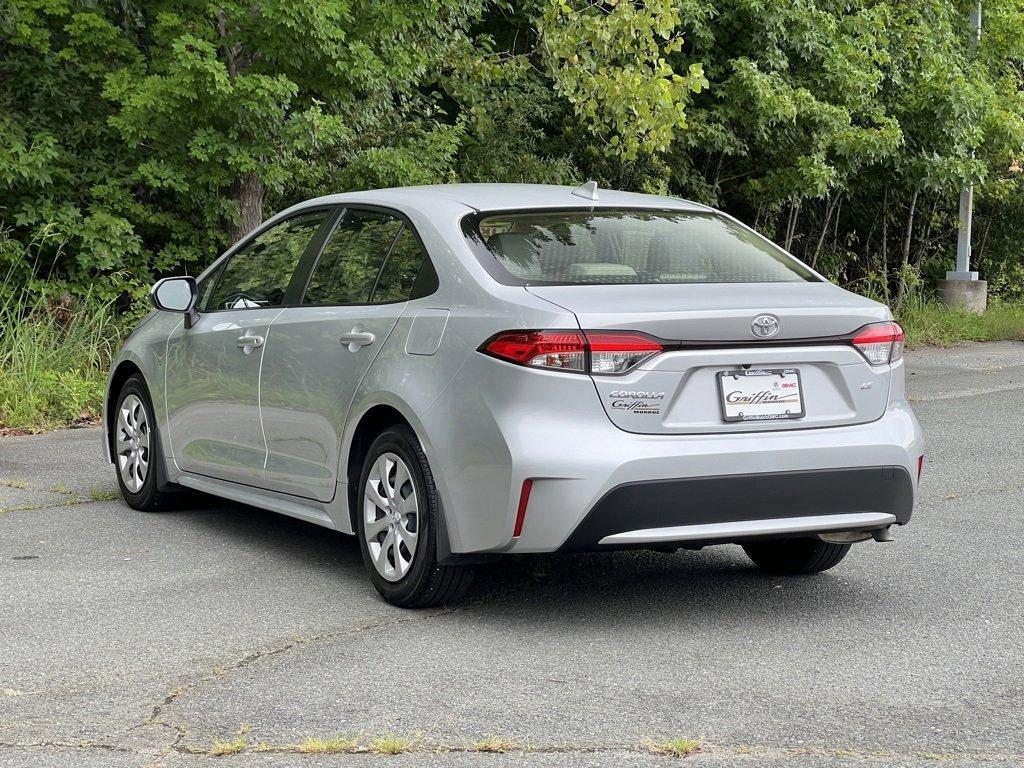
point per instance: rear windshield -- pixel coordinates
(628, 247)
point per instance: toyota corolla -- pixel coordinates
(454, 373)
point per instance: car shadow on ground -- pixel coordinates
(717, 582)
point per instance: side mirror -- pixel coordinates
(176, 294)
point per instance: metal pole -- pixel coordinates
(963, 240)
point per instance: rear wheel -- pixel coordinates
(397, 510)
(137, 448)
(795, 556)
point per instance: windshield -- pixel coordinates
(630, 247)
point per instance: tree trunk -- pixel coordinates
(908, 233)
(867, 242)
(922, 241)
(885, 241)
(248, 192)
(830, 206)
(984, 236)
(794, 216)
(908, 236)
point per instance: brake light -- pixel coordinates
(612, 352)
(880, 343)
(542, 349)
(920, 466)
(597, 352)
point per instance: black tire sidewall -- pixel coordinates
(399, 441)
(147, 495)
(796, 557)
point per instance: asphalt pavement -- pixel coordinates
(132, 639)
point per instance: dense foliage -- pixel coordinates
(139, 139)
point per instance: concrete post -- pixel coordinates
(962, 286)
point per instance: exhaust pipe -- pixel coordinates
(882, 534)
(845, 537)
(852, 537)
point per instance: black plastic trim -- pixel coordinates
(735, 498)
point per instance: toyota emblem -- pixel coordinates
(764, 326)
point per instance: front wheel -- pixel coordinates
(137, 448)
(795, 557)
(397, 511)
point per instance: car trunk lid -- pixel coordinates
(712, 353)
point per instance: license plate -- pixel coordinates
(761, 394)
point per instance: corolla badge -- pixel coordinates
(764, 326)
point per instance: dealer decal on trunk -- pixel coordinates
(637, 402)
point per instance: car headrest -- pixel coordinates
(515, 246)
(600, 269)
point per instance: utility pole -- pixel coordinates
(962, 286)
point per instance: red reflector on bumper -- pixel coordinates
(524, 499)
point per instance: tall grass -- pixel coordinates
(927, 321)
(54, 354)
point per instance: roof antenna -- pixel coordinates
(588, 190)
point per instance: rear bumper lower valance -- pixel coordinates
(734, 507)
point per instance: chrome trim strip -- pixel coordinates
(853, 521)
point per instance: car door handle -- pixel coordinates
(356, 339)
(250, 340)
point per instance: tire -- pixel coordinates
(795, 557)
(135, 429)
(397, 504)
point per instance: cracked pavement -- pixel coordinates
(132, 639)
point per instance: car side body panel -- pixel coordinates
(308, 381)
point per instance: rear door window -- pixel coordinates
(351, 260)
(400, 270)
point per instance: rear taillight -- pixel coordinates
(880, 343)
(542, 349)
(597, 352)
(618, 352)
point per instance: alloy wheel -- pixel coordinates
(132, 443)
(390, 516)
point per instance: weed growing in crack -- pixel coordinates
(680, 747)
(494, 744)
(236, 745)
(390, 744)
(335, 745)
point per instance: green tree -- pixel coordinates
(65, 201)
(235, 101)
(610, 60)
(145, 137)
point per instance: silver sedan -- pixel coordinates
(454, 373)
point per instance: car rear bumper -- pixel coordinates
(502, 425)
(614, 490)
(733, 507)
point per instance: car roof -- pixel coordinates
(504, 197)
